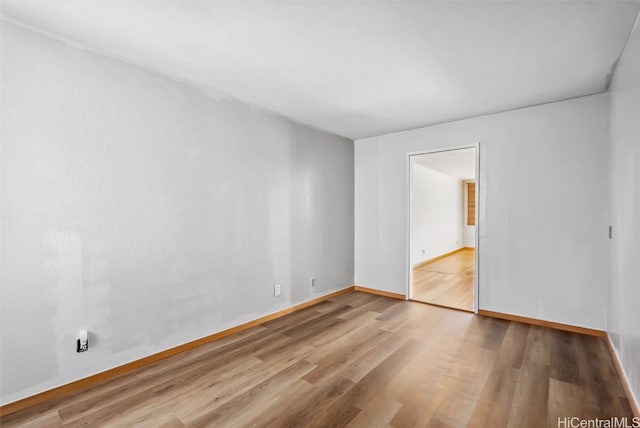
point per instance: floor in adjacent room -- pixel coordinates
(448, 281)
(360, 360)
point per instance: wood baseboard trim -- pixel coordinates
(441, 256)
(78, 385)
(543, 323)
(623, 377)
(380, 292)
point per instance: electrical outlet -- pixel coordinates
(81, 347)
(312, 282)
(276, 290)
(82, 343)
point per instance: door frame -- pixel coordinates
(479, 219)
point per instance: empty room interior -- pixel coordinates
(443, 232)
(323, 214)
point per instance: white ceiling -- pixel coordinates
(459, 164)
(354, 68)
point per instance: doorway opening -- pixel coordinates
(443, 228)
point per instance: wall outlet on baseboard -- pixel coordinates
(276, 290)
(312, 282)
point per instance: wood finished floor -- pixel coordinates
(446, 282)
(360, 360)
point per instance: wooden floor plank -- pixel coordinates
(378, 413)
(360, 360)
(564, 363)
(494, 402)
(448, 281)
(261, 396)
(532, 392)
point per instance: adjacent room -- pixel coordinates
(319, 214)
(443, 231)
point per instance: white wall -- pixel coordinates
(543, 244)
(624, 208)
(436, 213)
(150, 214)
